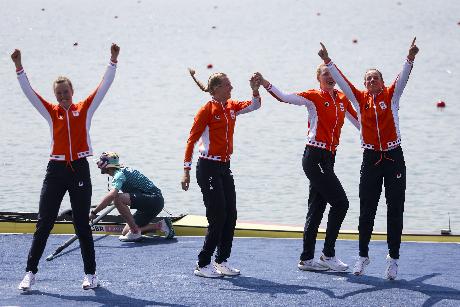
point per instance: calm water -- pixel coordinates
(148, 112)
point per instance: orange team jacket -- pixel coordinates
(326, 114)
(69, 129)
(377, 114)
(213, 126)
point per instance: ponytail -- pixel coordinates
(214, 80)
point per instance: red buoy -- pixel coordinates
(209, 66)
(441, 104)
(355, 41)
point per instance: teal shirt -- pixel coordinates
(129, 180)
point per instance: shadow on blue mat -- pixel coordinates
(105, 298)
(435, 293)
(263, 286)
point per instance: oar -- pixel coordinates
(75, 237)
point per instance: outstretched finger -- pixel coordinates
(413, 42)
(322, 46)
(191, 71)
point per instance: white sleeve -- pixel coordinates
(32, 96)
(401, 82)
(255, 104)
(103, 87)
(343, 84)
(288, 98)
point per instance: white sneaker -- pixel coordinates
(333, 263)
(131, 237)
(208, 271)
(311, 265)
(224, 269)
(360, 264)
(167, 228)
(90, 281)
(392, 268)
(27, 282)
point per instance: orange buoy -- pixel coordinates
(209, 66)
(441, 104)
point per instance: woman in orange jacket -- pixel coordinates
(68, 169)
(327, 109)
(213, 128)
(383, 159)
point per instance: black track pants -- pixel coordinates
(216, 182)
(325, 187)
(62, 177)
(388, 168)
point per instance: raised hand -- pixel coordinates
(114, 50)
(16, 57)
(191, 71)
(254, 82)
(323, 53)
(262, 81)
(413, 50)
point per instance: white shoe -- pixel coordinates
(167, 228)
(311, 265)
(208, 271)
(392, 268)
(224, 269)
(333, 263)
(360, 265)
(131, 237)
(90, 281)
(27, 282)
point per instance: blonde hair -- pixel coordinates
(62, 79)
(214, 81)
(318, 70)
(373, 69)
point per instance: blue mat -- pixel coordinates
(159, 272)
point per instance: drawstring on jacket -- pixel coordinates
(383, 156)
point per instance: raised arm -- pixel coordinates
(36, 100)
(346, 86)
(401, 80)
(95, 99)
(253, 104)
(281, 96)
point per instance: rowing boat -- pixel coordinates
(194, 225)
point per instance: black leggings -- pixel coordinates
(62, 177)
(216, 182)
(325, 187)
(388, 168)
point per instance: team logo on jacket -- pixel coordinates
(382, 105)
(217, 117)
(232, 114)
(75, 113)
(326, 104)
(342, 108)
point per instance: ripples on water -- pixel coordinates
(148, 112)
